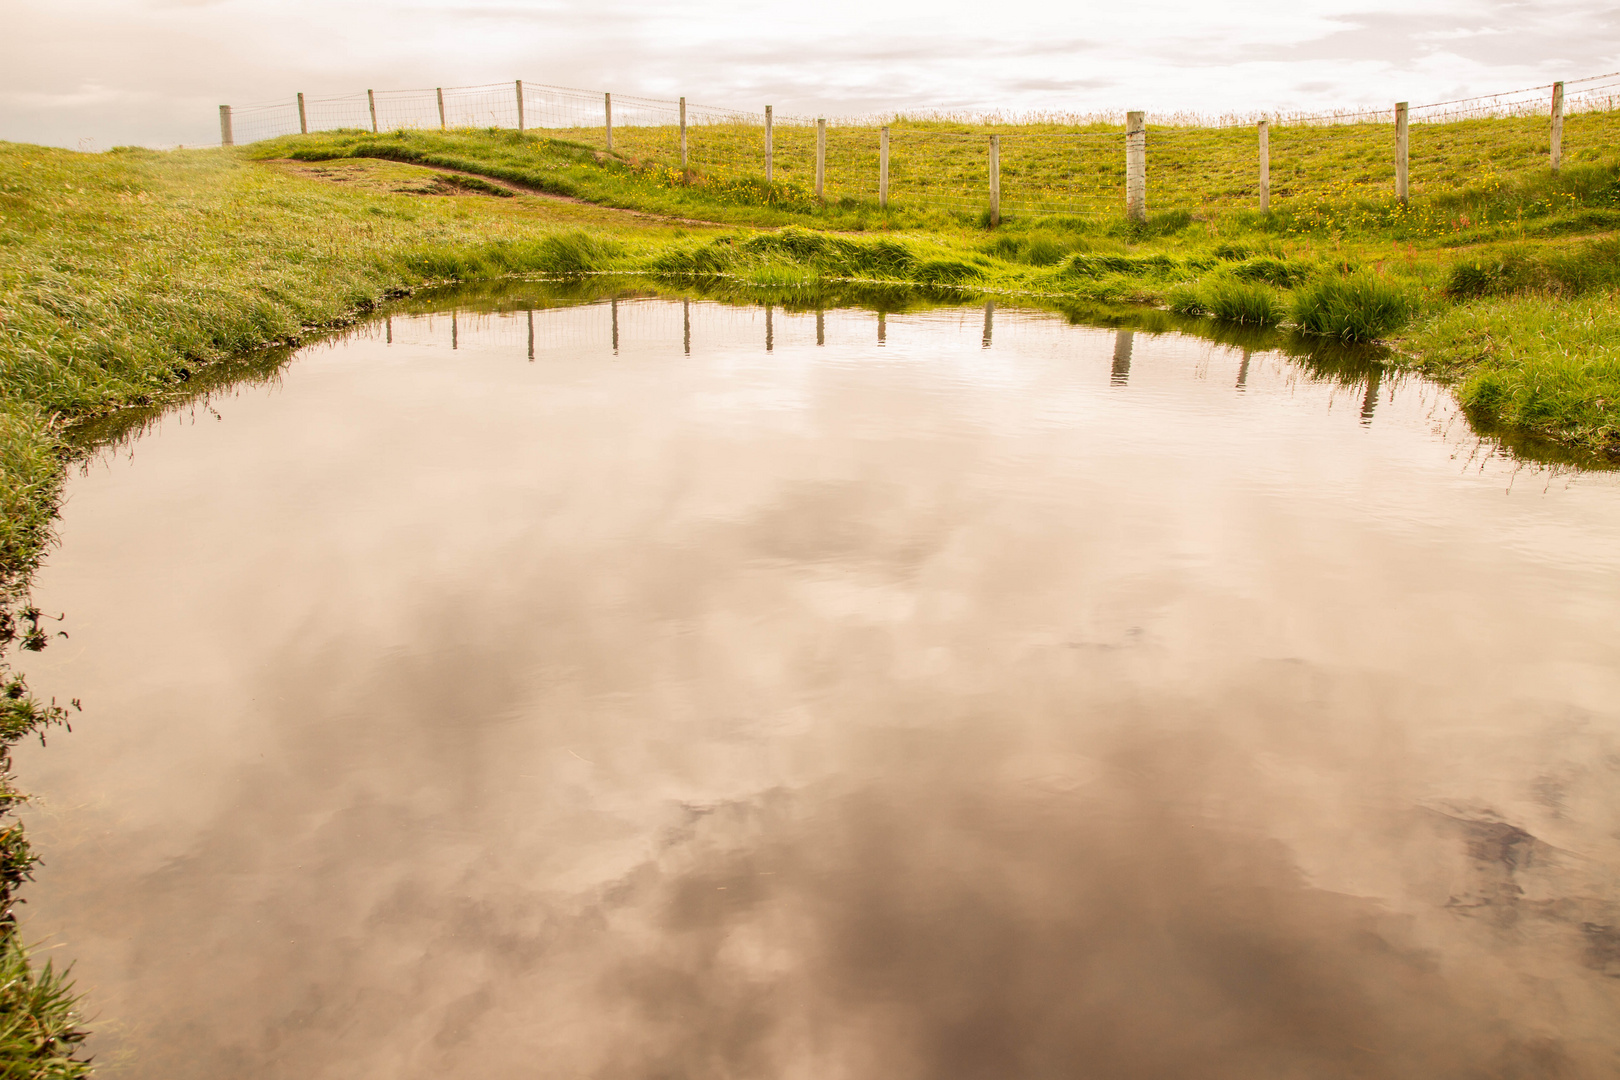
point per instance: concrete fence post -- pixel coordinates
(607, 111)
(1401, 144)
(883, 168)
(371, 103)
(520, 105)
(770, 171)
(1265, 167)
(226, 138)
(440, 92)
(1555, 142)
(995, 180)
(303, 118)
(821, 159)
(683, 134)
(1135, 166)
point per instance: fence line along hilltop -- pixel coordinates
(1087, 165)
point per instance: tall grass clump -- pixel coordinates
(1248, 303)
(1568, 271)
(574, 254)
(1358, 307)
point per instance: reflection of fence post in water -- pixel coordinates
(1243, 372)
(883, 328)
(770, 330)
(1123, 341)
(455, 341)
(531, 333)
(613, 308)
(686, 324)
(821, 327)
(389, 323)
(989, 322)
(1370, 401)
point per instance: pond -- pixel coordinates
(648, 687)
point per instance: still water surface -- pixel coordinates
(597, 692)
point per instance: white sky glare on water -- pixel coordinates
(96, 73)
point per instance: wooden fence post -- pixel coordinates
(1401, 144)
(303, 119)
(226, 138)
(883, 168)
(821, 159)
(520, 105)
(371, 103)
(607, 110)
(1265, 167)
(440, 92)
(995, 180)
(683, 134)
(1135, 167)
(1555, 146)
(769, 163)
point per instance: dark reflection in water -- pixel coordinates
(945, 711)
(1123, 342)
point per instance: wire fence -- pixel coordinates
(1048, 164)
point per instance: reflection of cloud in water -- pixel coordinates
(973, 715)
(991, 910)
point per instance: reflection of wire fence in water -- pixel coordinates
(1071, 166)
(571, 329)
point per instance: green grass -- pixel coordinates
(1316, 171)
(1541, 365)
(1352, 307)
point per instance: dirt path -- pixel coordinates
(322, 170)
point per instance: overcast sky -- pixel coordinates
(97, 73)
